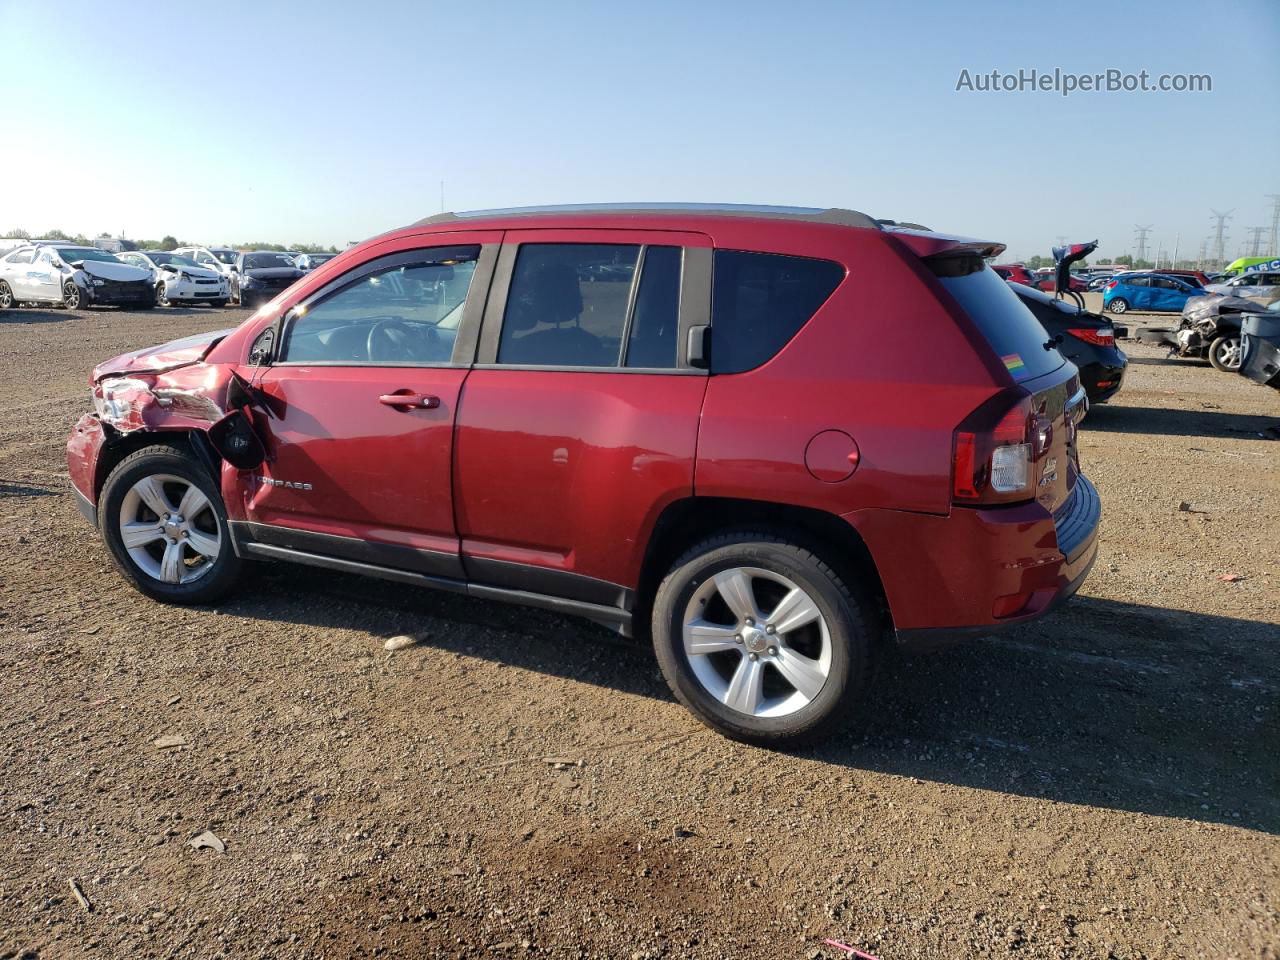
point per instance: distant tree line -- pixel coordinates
(167, 242)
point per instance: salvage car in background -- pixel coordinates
(1147, 291)
(610, 356)
(1084, 338)
(179, 279)
(259, 275)
(307, 262)
(1209, 330)
(1016, 272)
(220, 259)
(1264, 286)
(71, 276)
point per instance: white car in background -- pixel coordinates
(180, 279)
(213, 258)
(309, 261)
(71, 276)
(1257, 285)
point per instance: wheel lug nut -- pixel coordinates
(185, 534)
(773, 651)
(770, 629)
(750, 622)
(737, 638)
(755, 656)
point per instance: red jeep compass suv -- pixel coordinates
(769, 438)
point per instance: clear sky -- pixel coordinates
(325, 122)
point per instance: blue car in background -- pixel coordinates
(1147, 291)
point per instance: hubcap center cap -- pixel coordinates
(174, 526)
(755, 639)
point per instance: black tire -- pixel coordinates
(1118, 305)
(1224, 354)
(145, 305)
(849, 615)
(217, 303)
(72, 298)
(174, 461)
(161, 299)
(6, 296)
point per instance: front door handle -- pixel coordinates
(414, 401)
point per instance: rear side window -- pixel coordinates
(1010, 328)
(592, 305)
(759, 301)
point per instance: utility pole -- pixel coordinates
(1255, 240)
(1275, 223)
(1204, 252)
(1177, 240)
(1220, 235)
(1140, 235)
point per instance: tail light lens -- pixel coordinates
(1113, 283)
(1099, 337)
(994, 449)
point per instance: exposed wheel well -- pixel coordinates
(119, 445)
(690, 520)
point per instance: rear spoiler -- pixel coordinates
(948, 256)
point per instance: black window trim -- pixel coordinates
(694, 302)
(464, 345)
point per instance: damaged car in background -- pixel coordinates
(180, 279)
(1209, 330)
(70, 276)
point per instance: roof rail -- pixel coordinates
(832, 215)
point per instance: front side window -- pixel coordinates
(759, 301)
(1136, 282)
(22, 256)
(403, 314)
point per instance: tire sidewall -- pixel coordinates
(153, 460)
(850, 641)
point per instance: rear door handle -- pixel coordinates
(414, 401)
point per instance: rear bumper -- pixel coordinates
(83, 448)
(951, 578)
(1101, 381)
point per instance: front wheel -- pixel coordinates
(217, 303)
(6, 296)
(1118, 305)
(162, 518)
(71, 295)
(762, 640)
(1224, 354)
(161, 299)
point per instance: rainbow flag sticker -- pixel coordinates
(1013, 362)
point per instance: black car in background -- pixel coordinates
(257, 276)
(1088, 341)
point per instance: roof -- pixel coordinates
(830, 215)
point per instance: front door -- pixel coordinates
(363, 394)
(580, 419)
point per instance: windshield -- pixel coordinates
(1010, 328)
(263, 261)
(315, 259)
(226, 256)
(72, 254)
(174, 259)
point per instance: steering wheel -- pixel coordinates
(382, 344)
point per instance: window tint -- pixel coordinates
(403, 314)
(654, 322)
(1010, 328)
(760, 301)
(1165, 283)
(568, 304)
(1136, 281)
(23, 256)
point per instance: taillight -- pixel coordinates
(1099, 337)
(1113, 283)
(994, 449)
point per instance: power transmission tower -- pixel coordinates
(1220, 235)
(1204, 252)
(1140, 235)
(1255, 240)
(1275, 223)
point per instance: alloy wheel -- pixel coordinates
(757, 642)
(71, 296)
(169, 529)
(1229, 354)
(6, 296)
(1118, 306)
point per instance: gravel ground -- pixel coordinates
(1100, 784)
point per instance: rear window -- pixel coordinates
(1009, 327)
(759, 301)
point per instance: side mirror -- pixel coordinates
(237, 442)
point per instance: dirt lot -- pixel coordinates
(1102, 784)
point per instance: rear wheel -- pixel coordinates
(762, 640)
(71, 296)
(6, 296)
(1118, 305)
(162, 518)
(1224, 354)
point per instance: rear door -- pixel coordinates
(363, 391)
(579, 422)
